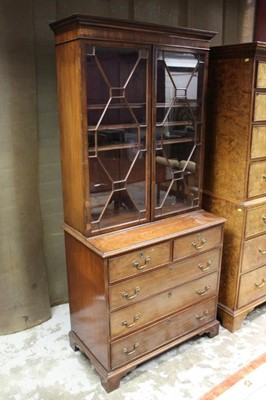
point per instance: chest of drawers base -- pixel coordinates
(134, 294)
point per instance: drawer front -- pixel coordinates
(261, 75)
(138, 261)
(197, 242)
(256, 221)
(137, 315)
(141, 287)
(254, 253)
(252, 286)
(139, 343)
(257, 179)
(258, 145)
(260, 107)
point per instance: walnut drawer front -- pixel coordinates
(258, 145)
(197, 242)
(256, 221)
(261, 75)
(254, 253)
(137, 344)
(257, 179)
(260, 107)
(252, 286)
(135, 316)
(140, 287)
(138, 261)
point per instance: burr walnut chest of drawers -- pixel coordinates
(235, 173)
(143, 258)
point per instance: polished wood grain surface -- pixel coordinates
(137, 315)
(254, 253)
(72, 135)
(145, 285)
(124, 240)
(87, 298)
(135, 262)
(235, 180)
(174, 326)
(252, 286)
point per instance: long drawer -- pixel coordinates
(137, 315)
(252, 286)
(257, 179)
(141, 342)
(254, 253)
(256, 221)
(138, 261)
(197, 242)
(140, 287)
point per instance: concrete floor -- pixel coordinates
(38, 364)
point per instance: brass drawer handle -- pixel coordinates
(125, 294)
(202, 241)
(127, 325)
(260, 285)
(129, 352)
(264, 177)
(203, 292)
(203, 316)
(139, 267)
(264, 218)
(205, 267)
(263, 252)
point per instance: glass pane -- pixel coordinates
(117, 135)
(178, 131)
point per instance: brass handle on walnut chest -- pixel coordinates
(125, 294)
(203, 292)
(263, 252)
(139, 267)
(264, 177)
(205, 267)
(203, 316)
(127, 325)
(199, 245)
(264, 218)
(261, 284)
(129, 352)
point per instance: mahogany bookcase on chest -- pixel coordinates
(235, 176)
(143, 258)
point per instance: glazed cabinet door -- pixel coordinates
(117, 122)
(178, 131)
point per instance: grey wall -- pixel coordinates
(31, 238)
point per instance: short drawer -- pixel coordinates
(137, 315)
(258, 145)
(260, 107)
(261, 75)
(138, 288)
(197, 242)
(254, 253)
(252, 286)
(139, 343)
(138, 261)
(256, 221)
(257, 179)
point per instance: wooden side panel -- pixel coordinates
(88, 308)
(233, 231)
(227, 133)
(71, 132)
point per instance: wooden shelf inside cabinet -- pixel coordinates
(131, 105)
